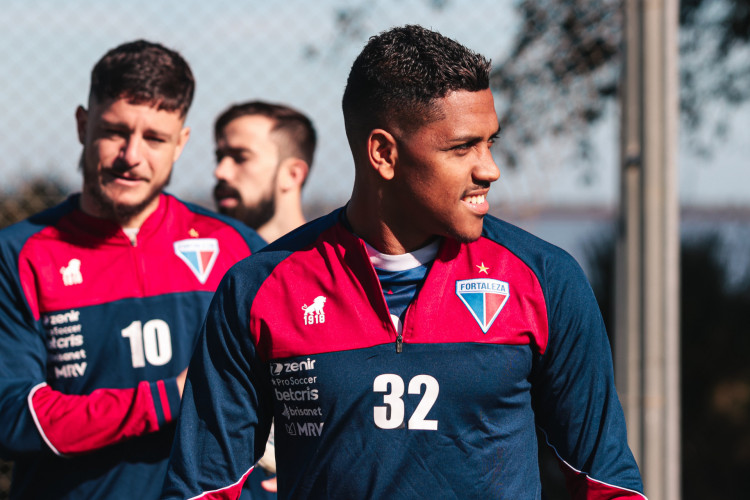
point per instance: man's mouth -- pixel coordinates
(227, 202)
(475, 200)
(123, 177)
(226, 196)
(477, 203)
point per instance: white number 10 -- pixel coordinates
(152, 342)
(394, 402)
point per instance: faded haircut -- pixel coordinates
(295, 127)
(400, 73)
(144, 72)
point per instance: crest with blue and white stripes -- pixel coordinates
(484, 298)
(199, 254)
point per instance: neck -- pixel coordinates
(131, 219)
(284, 220)
(371, 221)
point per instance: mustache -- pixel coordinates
(224, 190)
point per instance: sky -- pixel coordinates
(297, 52)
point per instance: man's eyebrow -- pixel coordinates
(120, 126)
(113, 124)
(472, 137)
(227, 150)
(158, 133)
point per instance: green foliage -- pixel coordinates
(564, 70)
(33, 197)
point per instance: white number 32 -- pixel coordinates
(391, 416)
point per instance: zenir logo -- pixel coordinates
(276, 368)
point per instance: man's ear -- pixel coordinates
(382, 152)
(82, 118)
(292, 173)
(182, 140)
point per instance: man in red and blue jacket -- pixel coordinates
(101, 297)
(407, 345)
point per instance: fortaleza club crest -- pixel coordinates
(199, 254)
(484, 297)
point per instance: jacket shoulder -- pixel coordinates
(16, 235)
(546, 260)
(253, 240)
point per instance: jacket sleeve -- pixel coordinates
(227, 407)
(34, 417)
(573, 391)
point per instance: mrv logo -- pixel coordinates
(309, 429)
(279, 368)
(70, 370)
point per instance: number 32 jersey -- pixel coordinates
(94, 330)
(503, 337)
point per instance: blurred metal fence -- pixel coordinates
(294, 52)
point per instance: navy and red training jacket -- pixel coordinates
(504, 336)
(94, 331)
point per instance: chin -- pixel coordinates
(467, 238)
(467, 234)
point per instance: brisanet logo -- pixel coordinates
(279, 368)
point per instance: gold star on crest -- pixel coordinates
(193, 233)
(483, 269)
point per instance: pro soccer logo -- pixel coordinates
(484, 298)
(199, 254)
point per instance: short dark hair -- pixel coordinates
(399, 74)
(144, 73)
(295, 126)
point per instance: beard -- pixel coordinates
(105, 206)
(254, 216)
(257, 216)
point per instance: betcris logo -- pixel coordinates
(279, 368)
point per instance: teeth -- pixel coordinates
(475, 200)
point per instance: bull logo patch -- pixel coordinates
(484, 298)
(199, 254)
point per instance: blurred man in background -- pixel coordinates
(264, 153)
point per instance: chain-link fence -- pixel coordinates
(295, 52)
(557, 68)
